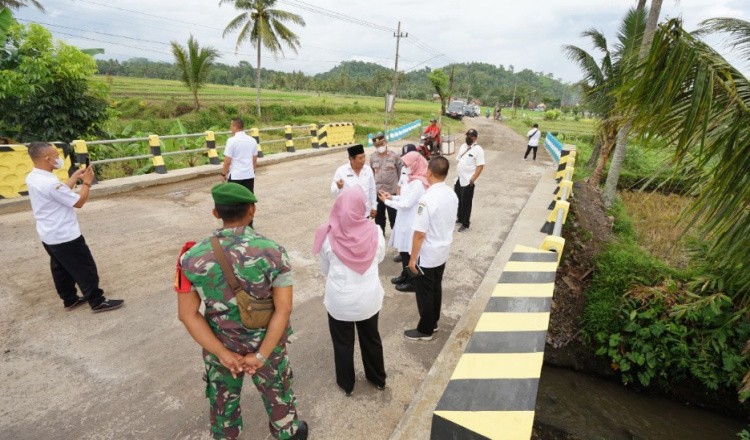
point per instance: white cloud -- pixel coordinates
(525, 34)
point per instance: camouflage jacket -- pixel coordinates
(259, 264)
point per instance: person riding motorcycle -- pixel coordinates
(433, 131)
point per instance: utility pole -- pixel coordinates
(514, 97)
(398, 36)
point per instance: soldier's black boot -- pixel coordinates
(301, 433)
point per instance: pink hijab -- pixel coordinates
(353, 238)
(418, 166)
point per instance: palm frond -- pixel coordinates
(237, 22)
(738, 30)
(597, 37)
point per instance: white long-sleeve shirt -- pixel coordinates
(406, 204)
(365, 179)
(350, 296)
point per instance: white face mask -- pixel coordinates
(59, 163)
(381, 150)
(407, 170)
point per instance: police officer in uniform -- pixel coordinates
(53, 204)
(433, 235)
(356, 172)
(229, 348)
(386, 165)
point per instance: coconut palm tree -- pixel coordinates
(600, 81)
(687, 94)
(194, 63)
(18, 4)
(263, 26)
(613, 177)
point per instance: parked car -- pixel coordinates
(455, 110)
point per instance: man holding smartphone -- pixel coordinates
(53, 204)
(433, 235)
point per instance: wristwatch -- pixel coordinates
(260, 357)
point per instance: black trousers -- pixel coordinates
(528, 150)
(247, 183)
(429, 298)
(342, 335)
(380, 217)
(71, 264)
(405, 257)
(465, 196)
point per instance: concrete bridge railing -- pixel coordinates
(492, 391)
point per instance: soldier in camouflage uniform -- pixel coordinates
(229, 349)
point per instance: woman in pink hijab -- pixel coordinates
(350, 248)
(415, 166)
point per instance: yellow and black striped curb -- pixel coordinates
(492, 392)
(213, 155)
(336, 134)
(567, 165)
(15, 164)
(155, 146)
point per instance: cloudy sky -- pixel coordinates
(525, 34)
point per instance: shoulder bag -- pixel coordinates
(254, 312)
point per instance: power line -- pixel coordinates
(148, 15)
(415, 66)
(336, 15)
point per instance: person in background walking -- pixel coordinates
(406, 203)
(470, 160)
(356, 172)
(53, 205)
(386, 165)
(240, 157)
(534, 134)
(350, 249)
(433, 235)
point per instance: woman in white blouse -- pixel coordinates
(350, 248)
(406, 203)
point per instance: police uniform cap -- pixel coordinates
(232, 194)
(356, 150)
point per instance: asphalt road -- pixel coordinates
(135, 373)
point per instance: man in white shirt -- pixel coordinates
(534, 134)
(356, 172)
(240, 157)
(433, 235)
(53, 204)
(470, 160)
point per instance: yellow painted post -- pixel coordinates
(213, 156)
(314, 136)
(82, 152)
(255, 134)
(158, 160)
(288, 137)
(555, 244)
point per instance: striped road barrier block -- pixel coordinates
(255, 134)
(289, 140)
(323, 136)
(492, 392)
(213, 156)
(15, 164)
(554, 147)
(340, 133)
(155, 145)
(314, 136)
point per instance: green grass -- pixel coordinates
(151, 103)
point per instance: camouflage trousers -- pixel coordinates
(273, 381)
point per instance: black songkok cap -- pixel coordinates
(356, 150)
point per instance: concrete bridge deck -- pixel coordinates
(135, 373)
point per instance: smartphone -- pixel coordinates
(87, 163)
(411, 274)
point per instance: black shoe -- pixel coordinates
(406, 287)
(79, 300)
(302, 431)
(347, 393)
(107, 305)
(397, 259)
(463, 228)
(416, 335)
(399, 279)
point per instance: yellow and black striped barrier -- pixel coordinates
(340, 133)
(213, 156)
(289, 140)
(314, 136)
(492, 392)
(15, 164)
(255, 134)
(155, 146)
(323, 136)
(564, 190)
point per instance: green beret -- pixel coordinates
(232, 194)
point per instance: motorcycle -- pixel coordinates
(429, 147)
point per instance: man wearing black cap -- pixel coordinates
(386, 165)
(356, 172)
(230, 348)
(470, 160)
